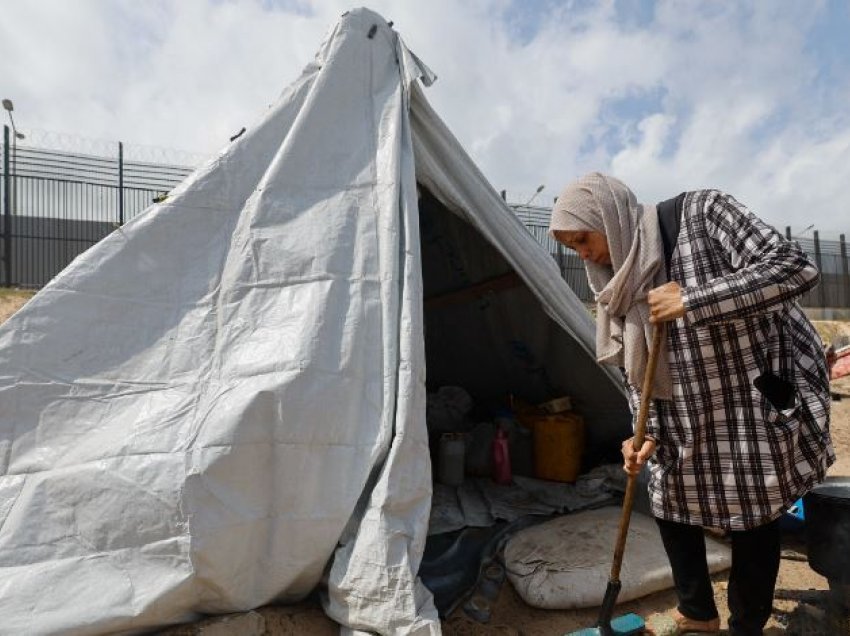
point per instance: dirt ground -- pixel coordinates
(511, 616)
(11, 300)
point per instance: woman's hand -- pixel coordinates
(634, 460)
(665, 303)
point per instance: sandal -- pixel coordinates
(679, 625)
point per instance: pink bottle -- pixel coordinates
(501, 458)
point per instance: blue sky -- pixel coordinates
(749, 97)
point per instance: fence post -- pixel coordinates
(562, 259)
(120, 183)
(819, 263)
(845, 271)
(788, 232)
(7, 212)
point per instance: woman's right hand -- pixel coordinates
(634, 460)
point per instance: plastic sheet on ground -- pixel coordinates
(446, 513)
(476, 510)
(480, 502)
(565, 497)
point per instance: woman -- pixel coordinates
(739, 427)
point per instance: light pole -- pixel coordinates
(9, 107)
(534, 196)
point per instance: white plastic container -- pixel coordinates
(450, 463)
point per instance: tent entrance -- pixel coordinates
(487, 332)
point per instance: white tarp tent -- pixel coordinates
(222, 404)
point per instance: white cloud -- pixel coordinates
(729, 95)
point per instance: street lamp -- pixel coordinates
(533, 196)
(9, 107)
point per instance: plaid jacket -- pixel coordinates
(726, 456)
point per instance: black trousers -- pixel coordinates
(755, 564)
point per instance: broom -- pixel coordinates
(628, 623)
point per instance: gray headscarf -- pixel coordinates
(599, 203)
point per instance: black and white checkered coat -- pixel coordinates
(725, 456)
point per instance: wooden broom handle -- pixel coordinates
(648, 380)
(637, 442)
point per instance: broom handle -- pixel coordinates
(637, 443)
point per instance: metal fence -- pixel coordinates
(536, 221)
(56, 204)
(834, 264)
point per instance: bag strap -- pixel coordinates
(669, 220)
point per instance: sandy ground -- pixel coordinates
(11, 300)
(511, 616)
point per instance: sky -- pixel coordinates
(752, 98)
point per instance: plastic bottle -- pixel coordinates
(505, 420)
(520, 442)
(451, 459)
(501, 458)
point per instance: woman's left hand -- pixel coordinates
(665, 303)
(633, 460)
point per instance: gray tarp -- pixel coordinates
(223, 402)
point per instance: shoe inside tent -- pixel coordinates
(223, 403)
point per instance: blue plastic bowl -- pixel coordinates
(793, 519)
